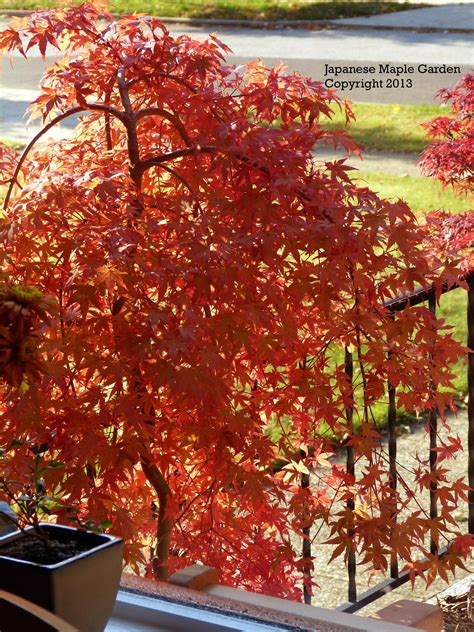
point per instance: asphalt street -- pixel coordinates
(310, 51)
(381, 65)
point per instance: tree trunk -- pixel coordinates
(163, 531)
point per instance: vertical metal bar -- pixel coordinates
(350, 468)
(306, 544)
(306, 549)
(433, 425)
(470, 405)
(392, 455)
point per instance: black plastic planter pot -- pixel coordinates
(81, 590)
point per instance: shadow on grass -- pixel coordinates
(264, 10)
(271, 10)
(385, 138)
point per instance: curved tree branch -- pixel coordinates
(144, 165)
(32, 143)
(108, 109)
(80, 108)
(164, 75)
(178, 177)
(168, 116)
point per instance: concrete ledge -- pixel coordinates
(422, 616)
(322, 618)
(262, 608)
(196, 577)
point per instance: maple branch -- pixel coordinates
(30, 146)
(131, 127)
(206, 492)
(151, 471)
(178, 177)
(102, 107)
(108, 129)
(144, 165)
(176, 79)
(164, 75)
(168, 116)
(411, 495)
(199, 149)
(84, 107)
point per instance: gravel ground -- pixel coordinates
(332, 578)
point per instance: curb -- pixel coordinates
(310, 25)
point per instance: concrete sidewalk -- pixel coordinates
(446, 17)
(394, 163)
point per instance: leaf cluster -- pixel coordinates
(449, 158)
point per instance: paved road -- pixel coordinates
(394, 163)
(310, 52)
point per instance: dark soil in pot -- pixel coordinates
(33, 549)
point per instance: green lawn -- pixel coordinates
(15, 144)
(453, 307)
(422, 194)
(389, 127)
(239, 9)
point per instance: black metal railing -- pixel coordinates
(397, 578)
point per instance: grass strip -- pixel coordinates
(387, 127)
(421, 194)
(14, 144)
(239, 9)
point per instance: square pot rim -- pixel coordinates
(111, 540)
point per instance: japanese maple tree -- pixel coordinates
(450, 156)
(209, 270)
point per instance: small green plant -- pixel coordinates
(25, 315)
(29, 501)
